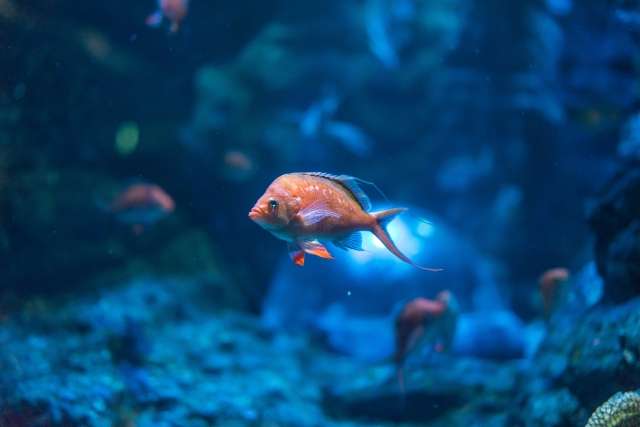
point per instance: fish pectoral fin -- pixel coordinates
(316, 248)
(296, 254)
(316, 212)
(351, 241)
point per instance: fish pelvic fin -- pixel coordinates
(379, 229)
(296, 254)
(155, 19)
(313, 247)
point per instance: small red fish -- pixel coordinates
(141, 204)
(173, 10)
(309, 209)
(549, 284)
(412, 322)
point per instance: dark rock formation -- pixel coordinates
(615, 219)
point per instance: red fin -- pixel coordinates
(317, 249)
(298, 258)
(379, 230)
(296, 254)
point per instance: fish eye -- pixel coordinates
(273, 205)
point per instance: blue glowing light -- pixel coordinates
(409, 234)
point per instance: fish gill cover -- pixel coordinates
(135, 137)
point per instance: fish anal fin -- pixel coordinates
(296, 254)
(316, 248)
(351, 241)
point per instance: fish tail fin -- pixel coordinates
(383, 218)
(379, 229)
(155, 19)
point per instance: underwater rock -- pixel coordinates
(615, 219)
(366, 338)
(432, 392)
(155, 353)
(597, 356)
(553, 408)
(491, 335)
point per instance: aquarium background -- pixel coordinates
(511, 129)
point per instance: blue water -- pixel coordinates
(136, 291)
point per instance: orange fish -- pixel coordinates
(141, 204)
(410, 326)
(173, 10)
(311, 208)
(549, 284)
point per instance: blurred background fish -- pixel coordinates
(140, 205)
(175, 11)
(318, 125)
(550, 284)
(423, 322)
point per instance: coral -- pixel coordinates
(621, 410)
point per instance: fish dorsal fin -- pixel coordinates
(350, 183)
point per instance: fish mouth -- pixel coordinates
(254, 214)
